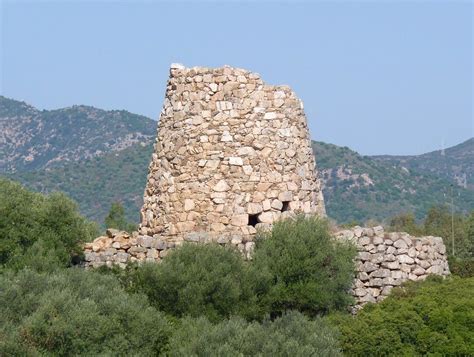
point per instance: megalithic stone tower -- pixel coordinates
(232, 153)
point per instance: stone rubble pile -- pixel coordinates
(387, 259)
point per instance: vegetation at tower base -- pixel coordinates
(298, 267)
(76, 312)
(195, 280)
(434, 317)
(71, 311)
(304, 267)
(292, 334)
(39, 231)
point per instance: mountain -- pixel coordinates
(31, 139)
(455, 163)
(98, 182)
(98, 157)
(359, 188)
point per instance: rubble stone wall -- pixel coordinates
(232, 154)
(385, 260)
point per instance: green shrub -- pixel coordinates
(75, 312)
(194, 280)
(293, 334)
(462, 267)
(42, 232)
(303, 268)
(434, 317)
(116, 218)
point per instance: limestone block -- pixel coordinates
(240, 220)
(400, 244)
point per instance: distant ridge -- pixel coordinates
(31, 139)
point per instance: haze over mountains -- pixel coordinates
(98, 157)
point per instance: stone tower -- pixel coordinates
(232, 154)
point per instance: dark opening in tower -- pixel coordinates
(286, 206)
(253, 220)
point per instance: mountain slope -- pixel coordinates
(455, 163)
(362, 187)
(31, 139)
(98, 182)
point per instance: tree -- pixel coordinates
(301, 267)
(470, 234)
(405, 222)
(116, 218)
(433, 318)
(293, 334)
(76, 312)
(441, 222)
(42, 232)
(195, 280)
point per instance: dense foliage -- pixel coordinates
(296, 267)
(75, 312)
(434, 317)
(206, 300)
(194, 280)
(293, 334)
(39, 231)
(456, 229)
(304, 268)
(116, 218)
(462, 267)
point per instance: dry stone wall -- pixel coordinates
(386, 260)
(232, 154)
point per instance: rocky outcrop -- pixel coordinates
(232, 154)
(385, 260)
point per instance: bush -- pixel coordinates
(434, 317)
(116, 218)
(303, 268)
(462, 267)
(291, 335)
(42, 232)
(75, 312)
(194, 280)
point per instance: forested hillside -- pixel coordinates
(31, 139)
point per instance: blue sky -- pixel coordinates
(387, 77)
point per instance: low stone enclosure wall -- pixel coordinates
(384, 259)
(387, 259)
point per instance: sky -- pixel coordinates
(381, 77)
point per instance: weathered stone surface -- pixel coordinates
(226, 141)
(400, 244)
(385, 260)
